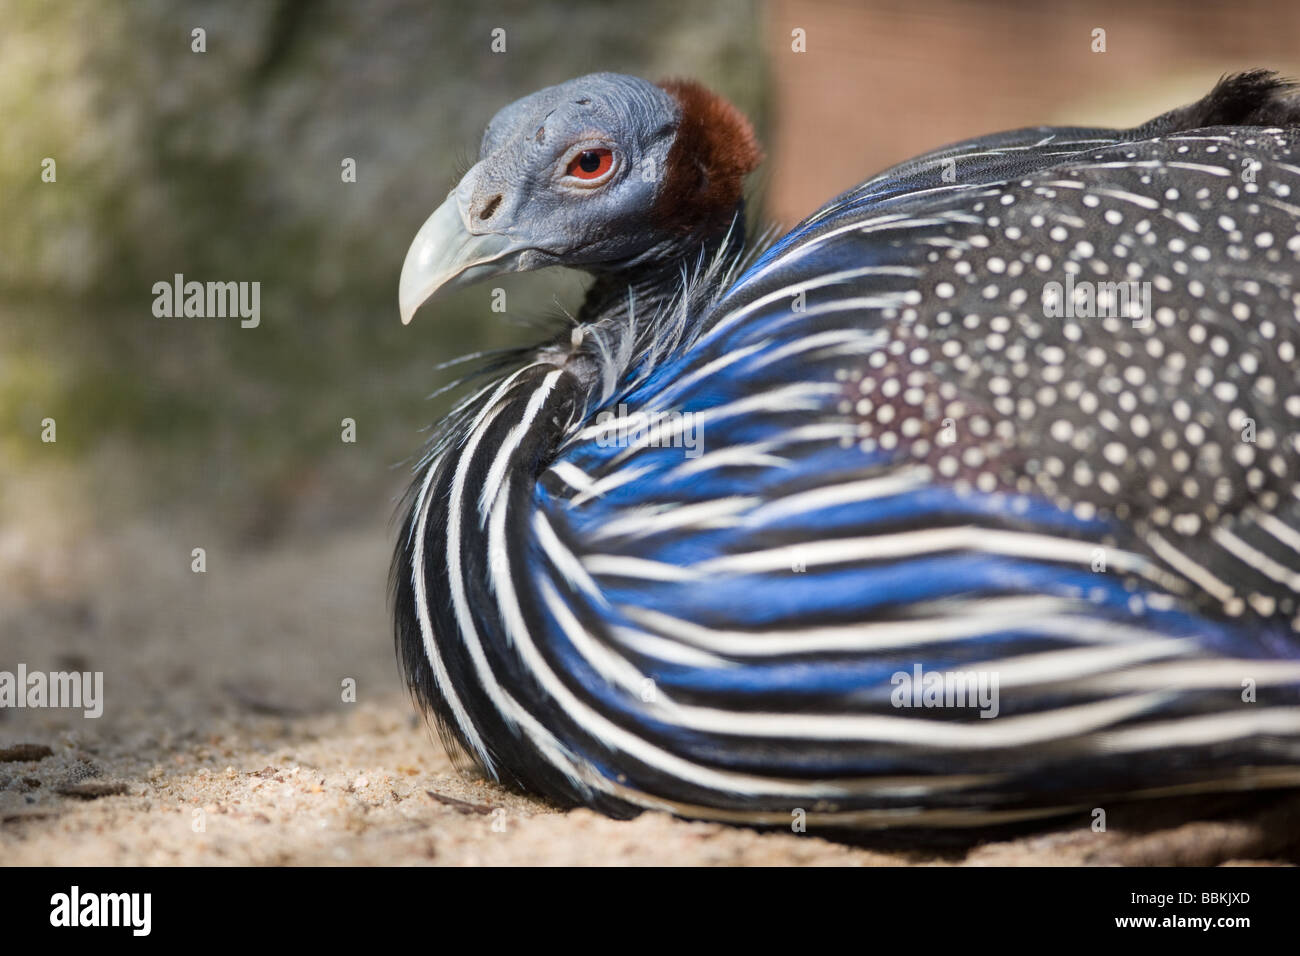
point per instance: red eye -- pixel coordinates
(590, 164)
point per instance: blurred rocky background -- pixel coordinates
(226, 165)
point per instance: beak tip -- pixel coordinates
(445, 255)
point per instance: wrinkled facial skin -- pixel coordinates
(521, 208)
(530, 144)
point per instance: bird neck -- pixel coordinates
(659, 275)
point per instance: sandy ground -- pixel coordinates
(225, 738)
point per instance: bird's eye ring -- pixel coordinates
(590, 164)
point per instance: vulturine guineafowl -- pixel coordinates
(973, 499)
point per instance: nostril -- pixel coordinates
(490, 208)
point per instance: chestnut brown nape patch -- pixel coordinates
(715, 148)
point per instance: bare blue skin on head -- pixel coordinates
(519, 209)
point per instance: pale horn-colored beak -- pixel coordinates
(447, 255)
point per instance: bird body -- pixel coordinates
(972, 499)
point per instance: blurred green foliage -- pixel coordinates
(225, 165)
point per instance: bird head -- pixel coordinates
(603, 172)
